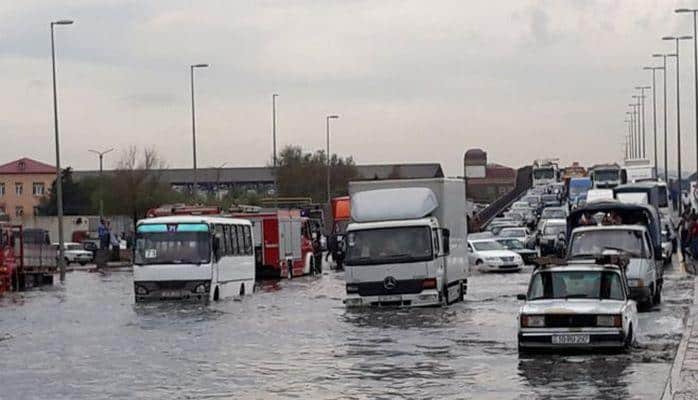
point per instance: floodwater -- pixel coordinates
(295, 339)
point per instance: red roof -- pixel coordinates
(27, 166)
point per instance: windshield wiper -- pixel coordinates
(584, 255)
(576, 296)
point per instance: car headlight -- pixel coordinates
(532, 321)
(638, 283)
(608, 320)
(141, 290)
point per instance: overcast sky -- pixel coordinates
(413, 81)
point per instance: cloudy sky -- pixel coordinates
(413, 81)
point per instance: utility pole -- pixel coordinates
(59, 175)
(193, 123)
(329, 158)
(101, 178)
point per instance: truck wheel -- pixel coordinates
(242, 290)
(216, 294)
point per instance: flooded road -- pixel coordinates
(295, 339)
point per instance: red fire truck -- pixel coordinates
(283, 243)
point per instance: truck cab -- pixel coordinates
(406, 244)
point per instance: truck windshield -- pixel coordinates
(606, 175)
(543, 173)
(389, 245)
(591, 243)
(183, 246)
(553, 213)
(576, 284)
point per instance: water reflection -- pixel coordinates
(584, 376)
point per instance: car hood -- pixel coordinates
(78, 252)
(573, 306)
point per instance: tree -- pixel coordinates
(300, 174)
(76, 196)
(136, 185)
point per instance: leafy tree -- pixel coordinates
(302, 174)
(76, 196)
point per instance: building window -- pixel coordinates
(19, 211)
(2, 189)
(19, 188)
(38, 189)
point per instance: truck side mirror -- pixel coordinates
(520, 297)
(446, 241)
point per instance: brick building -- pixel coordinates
(22, 185)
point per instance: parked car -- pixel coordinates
(518, 247)
(489, 255)
(523, 234)
(584, 305)
(75, 253)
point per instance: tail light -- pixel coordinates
(429, 283)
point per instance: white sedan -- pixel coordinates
(490, 255)
(577, 306)
(75, 253)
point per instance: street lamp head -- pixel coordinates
(682, 10)
(62, 22)
(332, 116)
(643, 87)
(200, 66)
(687, 37)
(669, 38)
(275, 95)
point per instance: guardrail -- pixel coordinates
(523, 183)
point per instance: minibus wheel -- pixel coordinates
(216, 295)
(242, 289)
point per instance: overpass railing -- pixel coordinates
(484, 217)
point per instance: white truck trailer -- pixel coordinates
(406, 244)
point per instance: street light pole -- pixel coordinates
(666, 137)
(193, 121)
(59, 177)
(678, 113)
(627, 140)
(642, 113)
(636, 128)
(218, 179)
(101, 180)
(695, 70)
(631, 142)
(654, 113)
(329, 160)
(273, 124)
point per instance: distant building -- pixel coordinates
(486, 182)
(261, 179)
(22, 185)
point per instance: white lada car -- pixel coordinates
(583, 305)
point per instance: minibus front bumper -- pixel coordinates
(172, 290)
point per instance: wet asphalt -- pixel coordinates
(294, 339)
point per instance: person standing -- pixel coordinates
(103, 233)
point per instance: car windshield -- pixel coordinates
(597, 241)
(487, 245)
(512, 232)
(543, 173)
(549, 197)
(389, 245)
(511, 243)
(550, 213)
(605, 285)
(554, 229)
(175, 244)
(531, 199)
(606, 175)
(74, 247)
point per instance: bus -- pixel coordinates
(199, 258)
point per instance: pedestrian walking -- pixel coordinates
(103, 233)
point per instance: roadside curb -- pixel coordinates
(674, 380)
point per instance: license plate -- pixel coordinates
(387, 299)
(171, 294)
(570, 339)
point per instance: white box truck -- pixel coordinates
(406, 243)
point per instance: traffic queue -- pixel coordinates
(598, 251)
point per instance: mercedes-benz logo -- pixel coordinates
(389, 283)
